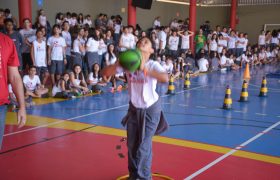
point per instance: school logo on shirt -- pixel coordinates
(137, 77)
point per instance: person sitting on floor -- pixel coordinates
(33, 84)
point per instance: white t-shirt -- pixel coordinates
(127, 40)
(142, 89)
(40, 53)
(43, 20)
(241, 40)
(173, 43)
(26, 34)
(223, 60)
(76, 46)
(275, 40)
(213, 45)
(168, 68)
(222, 44)
(10, 89)
(57, 44)
(231, 42)
(202, 64)
(262, 55)
(31, 84)
(117, 28)
(67, 36)
(185, 42)
(73, 22)
(261, 40)
(157, 43)
(245, 45)
(102, 47)
(92, 45)
(163, 37)
(111, 60)
(89, 22)
(156, 23)
(93, 79)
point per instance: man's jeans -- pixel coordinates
(3, 111)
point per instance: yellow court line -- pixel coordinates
(71, 125)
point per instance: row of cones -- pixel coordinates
(244, 93)
(171, 86)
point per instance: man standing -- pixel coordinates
(9, 71)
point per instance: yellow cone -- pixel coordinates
(227, 100)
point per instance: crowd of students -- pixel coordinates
(73, 52)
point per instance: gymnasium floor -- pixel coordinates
(83, 139)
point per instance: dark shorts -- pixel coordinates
(57, 67)
(26, 60)
(41, 70)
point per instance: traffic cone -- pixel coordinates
(263, 91)
(246, 74)
(187, 83)
(244, 92)
(171, 87)
(227, 100)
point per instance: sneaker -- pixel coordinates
(119, 88)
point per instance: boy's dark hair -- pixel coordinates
(7, 11)
(31, 67)
(7, 20)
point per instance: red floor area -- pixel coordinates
(93, 156)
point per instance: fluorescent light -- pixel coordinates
(174, 2)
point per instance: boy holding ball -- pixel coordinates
(144, 118)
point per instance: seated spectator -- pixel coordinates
(95, 82)
(62, 88)
(169, 66)
(203, 64)
(77, 81)
(214, 61)
(33, 84)
(14, 102)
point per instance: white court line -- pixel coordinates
(231, 152)
(49, 124)
(184, 105)
(97, 112)
(260, 114)
(201, 107)
(238, 111)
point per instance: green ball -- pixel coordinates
(130, 60)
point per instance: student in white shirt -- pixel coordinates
(117, 31)
(261, 40)
(155, 42)
(156, 22)
(240, 43)
(163, 39)
(39, 56)
(246, 42)
(73, 21)
(33, 85)
(213, 44)
(68, 39)
(42, 18)
(127, 40)
(203, 64)
(79, 48)
(56, 53)
(222, 43)
(173, 43)
(143, 100)
(232, 42)
(185, 40)
(94, 80)
(88, 20)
